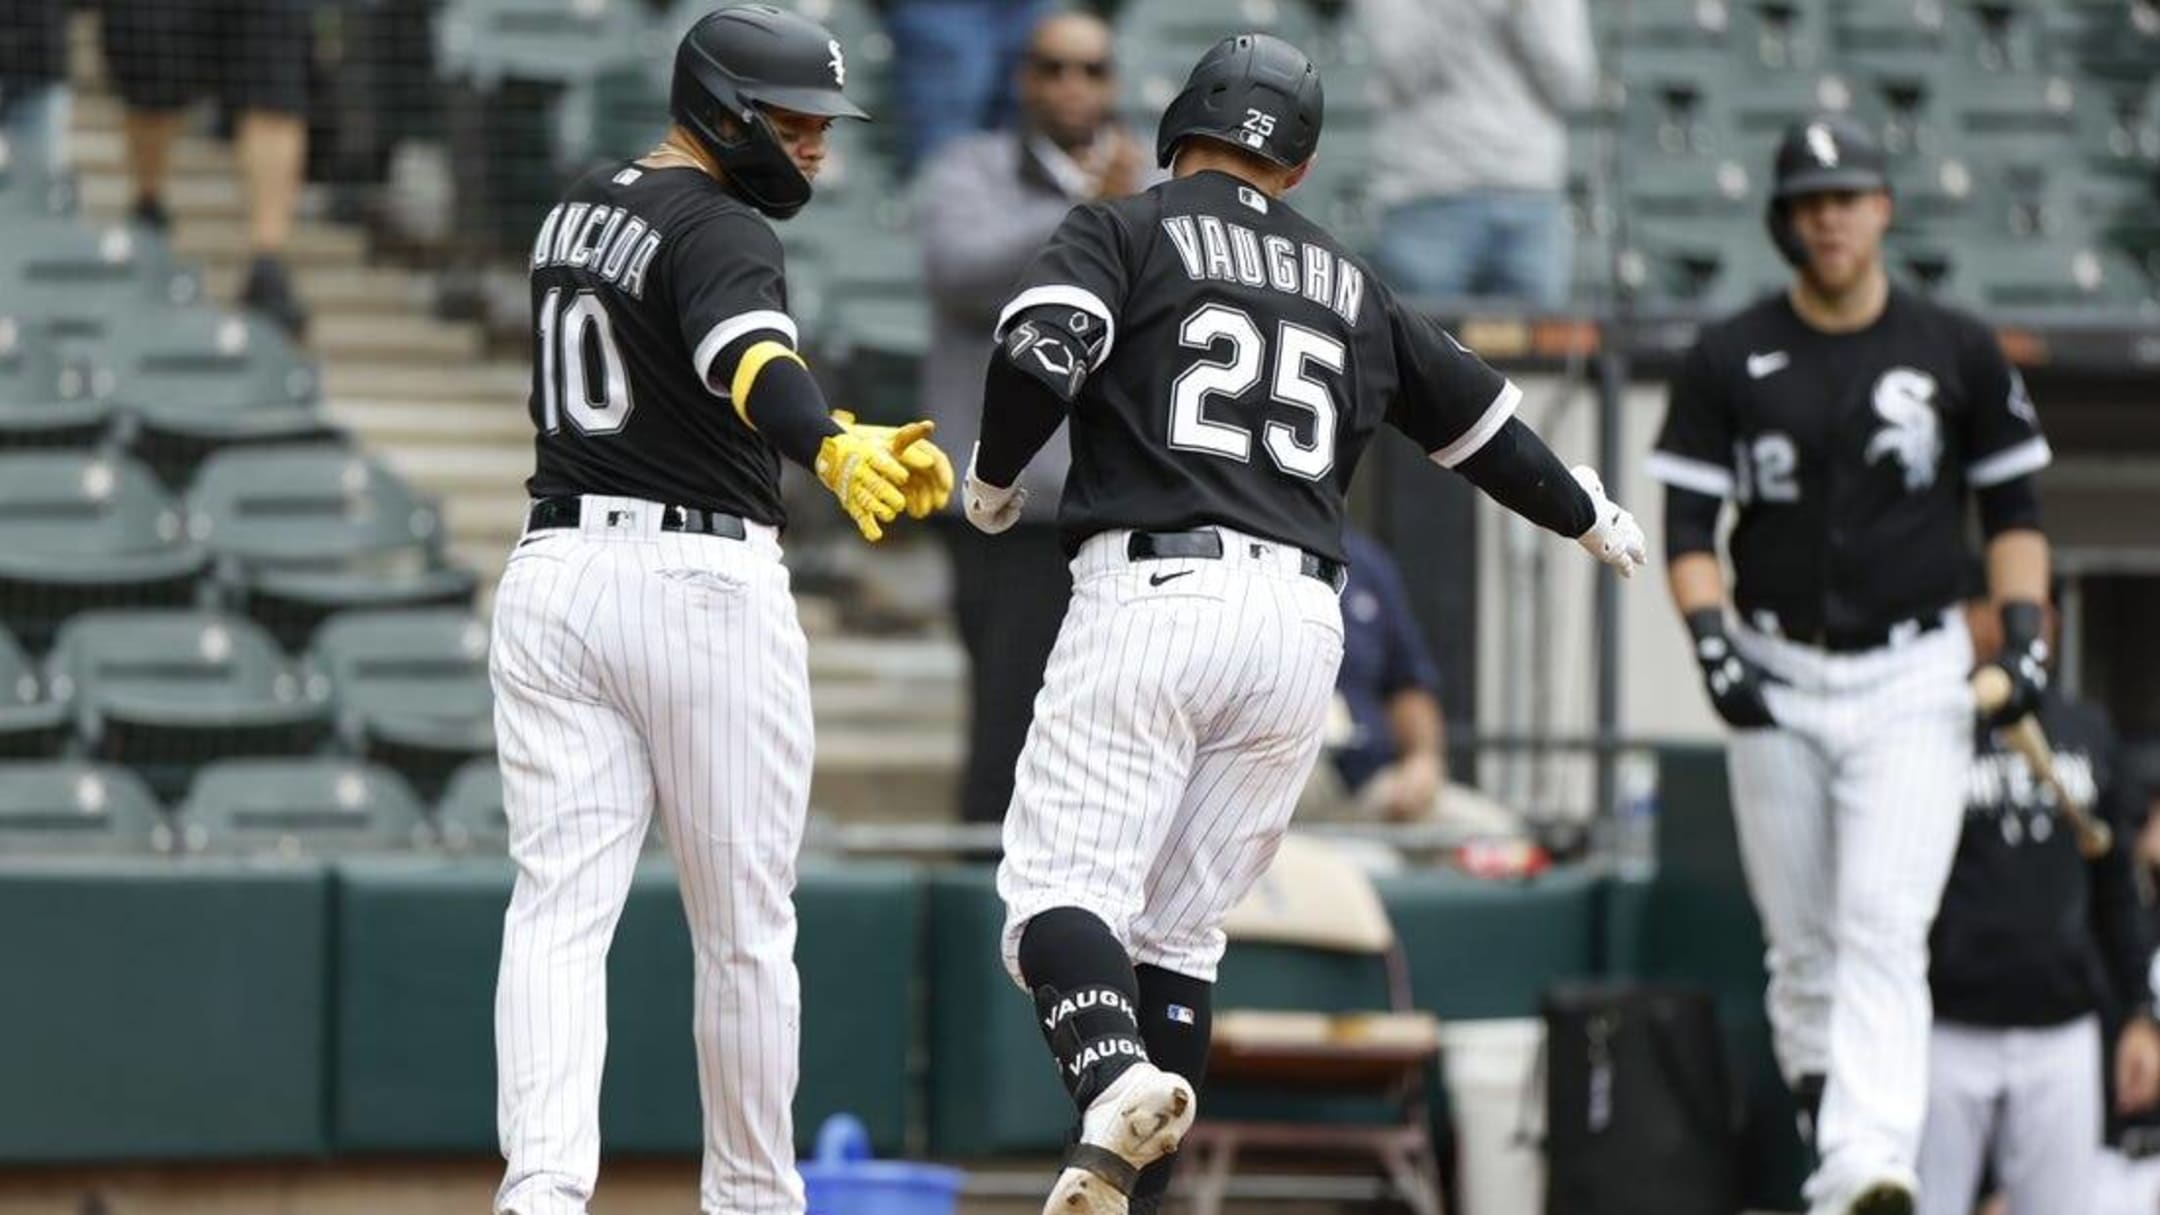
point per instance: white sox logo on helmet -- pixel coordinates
(1822, 145)
(838, 64)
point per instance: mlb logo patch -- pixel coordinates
(1179, 1013)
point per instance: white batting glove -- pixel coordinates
(1615, 539)
(991, 508)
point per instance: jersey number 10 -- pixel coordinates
(1297, 351)
(566, 378)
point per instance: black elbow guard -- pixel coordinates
(1056, 347)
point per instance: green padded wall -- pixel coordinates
(418, 941)
(991, 1088)
(153, 1010)
(1479, 948)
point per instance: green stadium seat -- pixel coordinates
(411, 689)
(65, 806)
(45, 398)
(1700, 263)
(488, 41)
(294, 807)
(75, 281)
(82, 531)
(1674, 25)
(469, 818)
(2050, 275)
(196, 380)
(1157, 44)
(164, 692)
(29, 189)
(1779, 35)
(32, 724)
(1679, 188)
(304, 531)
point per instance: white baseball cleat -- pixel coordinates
(1138, 1120)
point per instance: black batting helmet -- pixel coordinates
(739, 58)
(1252, 91)
(1820, 155)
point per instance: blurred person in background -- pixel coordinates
(953, 63)
(988, 201)
(1386, 745)
(2032, 947)
(1471, 97)
(33, 82)
(253, 56)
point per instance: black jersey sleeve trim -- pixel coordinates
(2017, 460)
(1496, 415)
(1062, 295)
(1684, 473)
(724, 334)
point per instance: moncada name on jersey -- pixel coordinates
(1213, 248)
(600, 239)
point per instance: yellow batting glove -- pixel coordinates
(866, 479)
(930, 471)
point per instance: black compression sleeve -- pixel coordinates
(1020, 413)
(1518, 471)
(1690, 522)
(2010, 506)
(788, 408)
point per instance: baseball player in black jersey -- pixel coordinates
(1222, 363)
(2032, 945)
(646, 651)
(1846, 419)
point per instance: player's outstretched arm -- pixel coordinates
(1516, 469)
(1033, 377)
(775, 396)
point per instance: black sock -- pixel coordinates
(1176, 1021)
(1085, 999)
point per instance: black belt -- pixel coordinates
(1207, 545)
(1859, 641)
(567, 512)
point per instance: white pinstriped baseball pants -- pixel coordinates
(1178, 720)
(2028, 1099)
(1848, 815)
(636, 669)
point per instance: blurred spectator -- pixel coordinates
(1471, 95)
(952, 67)
(2032, 946)
(33, 79)
(988, 202)
(253, 55)
(1386, 758)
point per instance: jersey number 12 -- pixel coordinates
(1297, 351)
(597, 405)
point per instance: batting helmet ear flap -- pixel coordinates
(1778, 218)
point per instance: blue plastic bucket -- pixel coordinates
(843, 1180)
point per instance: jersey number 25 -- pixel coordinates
(565, 374)
(1297, 351)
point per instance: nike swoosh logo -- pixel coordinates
(1760, 366)
(1159, 579)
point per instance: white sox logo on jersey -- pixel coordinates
(1912, 430)
(838, 64)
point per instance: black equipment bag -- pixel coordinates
(1640, 1105)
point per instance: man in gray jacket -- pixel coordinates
(1471, 96)
(987, 203)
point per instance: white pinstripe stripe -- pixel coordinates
(591, 688)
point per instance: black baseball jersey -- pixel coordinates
(1245, 360)
(1848, 456)
(645, 285)
(2030, 933)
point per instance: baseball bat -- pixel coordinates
(1991, 687)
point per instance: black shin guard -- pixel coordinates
(1176, 1022)
(1086, 999)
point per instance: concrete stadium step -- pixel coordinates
(924, 659)
(886, 773)
(396, 423)
(452, 469)
(226, 240)
(189, 196)
(392, 338)
(508, 383)
(96, 150)
(359, 290)
(848, 702)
